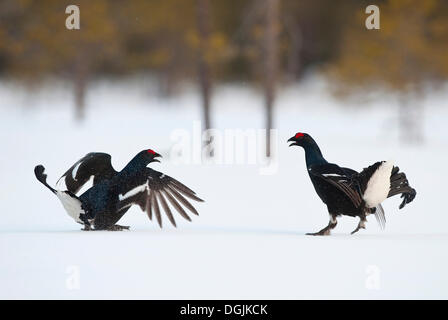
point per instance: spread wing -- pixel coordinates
(155, 192)
(339, 178)
(94, 164)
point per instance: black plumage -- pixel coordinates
(347, 192)
(113, 193)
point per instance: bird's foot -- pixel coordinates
(327, 230)
(361, 225)
(117, 227)
(323, 232)
(357, 229)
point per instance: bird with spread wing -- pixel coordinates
(113, 193)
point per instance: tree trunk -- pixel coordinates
(295, 49)
(204, 74)
(80, 87)
(270, 65)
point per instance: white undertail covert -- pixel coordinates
(379, 185)
(71, 205)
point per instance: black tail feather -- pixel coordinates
(399, 184)
(39, 171)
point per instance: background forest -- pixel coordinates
(262, 43)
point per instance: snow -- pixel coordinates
(249, 240)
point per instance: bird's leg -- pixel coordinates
(117, 227)
(326, 231)
(87, 227)
(361, 224)
(86, 222)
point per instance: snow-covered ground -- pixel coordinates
(248, 241)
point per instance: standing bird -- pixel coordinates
(113, 193)
(347, 192)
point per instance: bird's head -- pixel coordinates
(149, 156)
(300, 139)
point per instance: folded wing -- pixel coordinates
(339, 178)
(95, 164)
(350, 183)
(156, 193)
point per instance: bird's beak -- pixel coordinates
(156, 156)
(293, 140)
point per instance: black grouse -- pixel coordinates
(347, 192)
(113, 193)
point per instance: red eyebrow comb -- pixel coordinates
(151, 151)
(298, 135)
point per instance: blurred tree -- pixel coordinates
(230, 40)
(287, 38)
(204, 72)
(42, 45)
(405, 55)
(175, 39)
(310, 33)
(86, 49)
(270, 63)
(155, 37)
